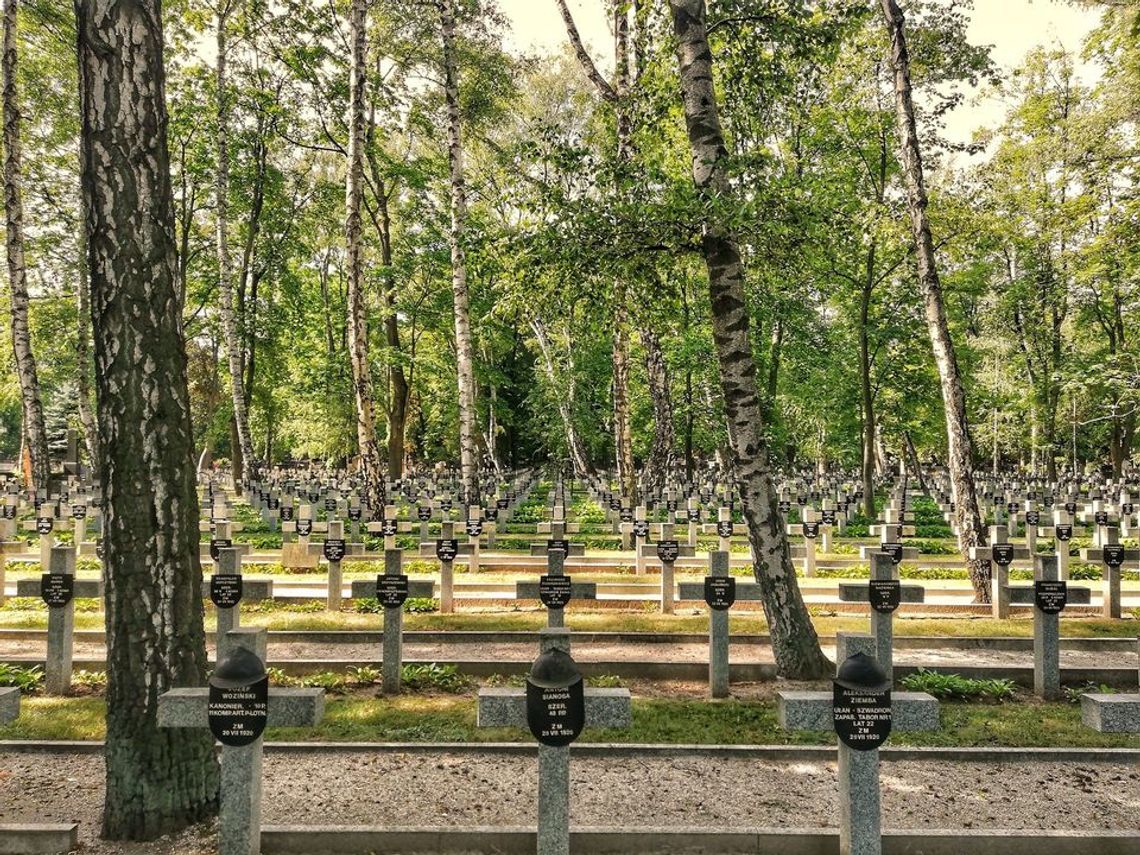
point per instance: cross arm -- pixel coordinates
(860, 592)
(287, 707)
(910, 711)
(578, 590)
(418, 588)
(506, 707)
(1023, 595)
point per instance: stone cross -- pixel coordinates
(809, 529)
(640, 536)
(392, 589)
(474, 530)
(9, 705)
(1046, 624)
(860, 830)
(879, 592)
(507, 707)
(446, 555)
(239, 830)
(1115, 713)
(1001, 553)
(334, 549)
(568, 589)
(229, 619)
(1112, 556)
(61, 627)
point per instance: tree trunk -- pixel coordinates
(158, 780)
(243, 464)
(579, 458)
(464, 352)
(623, 431)
(371, 463)
(794, 640)
(83, 351)
(659, 467)
(35, 433)
(960, 450)
(868, 395)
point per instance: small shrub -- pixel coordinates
(421, 605)
(947, 687)
(89, 679)
(433, 677)
(605, 681)
(364, 675)
(27, 680)
(1073, 693)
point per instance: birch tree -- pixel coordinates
(157, 780)
(35, 433)
(794, 640)
(960, 447)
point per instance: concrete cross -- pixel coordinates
(568, 590)
(1112, 556)
(392, 589)
(9, 705)
(860, 830)
(879, 593)
(809, 530)
(240, 821)
(507, 707)
(1001, 553)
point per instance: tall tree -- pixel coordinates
(35, 433)
(464, 352)
(794, 640)
(158, 780)
(243, 469)
(960, 447)
(371, 462)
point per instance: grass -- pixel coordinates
(434, 717)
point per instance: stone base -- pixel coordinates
(32, 839)
(9, 706)
(1111, 713)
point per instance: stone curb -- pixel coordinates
(791, 753)
(321, 840)
(33, 838)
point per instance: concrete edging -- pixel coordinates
(23, 838)
(357, 840)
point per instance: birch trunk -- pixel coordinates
(960, 450)
(574, 447)
(464, 352)
(35, 433)
(371, 461)
(83, 353)
(243, 470)
(794, 640)
(662, 460)
(158, 780)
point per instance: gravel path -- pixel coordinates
(609, 652)
(342, 788)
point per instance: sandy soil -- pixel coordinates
(342, 788)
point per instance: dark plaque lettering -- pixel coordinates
(560, 544)
(694, 514)
(286, 513)
(668, 550)
(862, 717)
(895, 550)
(1127, 509)
(446, 550)
(333, 548)
(556, 716)
(885, 595)
(827, 517)
(503, 504)
(1003, 554)
(217, 543)
(1101, 517)
(474, 528)
(423, 513)
(626, 515)
(1032, 518)
(330, 504)
(354, 514)
(720, 592)
(9, 512)
(1071, 507)
(724, 528)
(304, 528)
(57, 589)
(784, 506)
(225, 590)
(810, 530)
(44, 525)
(445, 505)
(78, 512)
(1064, 533)
(1011, 508)
(388, 528)
(671, 506)
(1113, 555)
(238, 716)
(391, 591)
(1051, 597)
(554, 591)
(641, 529)
(615, 504)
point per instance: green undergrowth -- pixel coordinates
(954, 687)
(440, 717)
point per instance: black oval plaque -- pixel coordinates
(724, 528)
(720, 592)
(810, 530)
(862, 717)
(694, 514)
(57, 589)
(423, 513)
(556, 716)
(304, 528)
(391, 591)
(388, 528)
(668, 550)
(333, 548)
(217, 543)
(895, 550)
(78, 512)
(474, 528)
(1051, 597)
(354, 514)
(885, 595)
(44, 525)
(446, 549)
(554, 591)
(1002, 553)
(1064, 533)
(238, 716)
(225, 590)
(1113, 555)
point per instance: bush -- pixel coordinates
(433, 677)
(948, 687)
(27, 680)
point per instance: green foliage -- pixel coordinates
(947, 687)
(430, 677)
(26, 679)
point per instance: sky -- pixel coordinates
(1013, 27)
